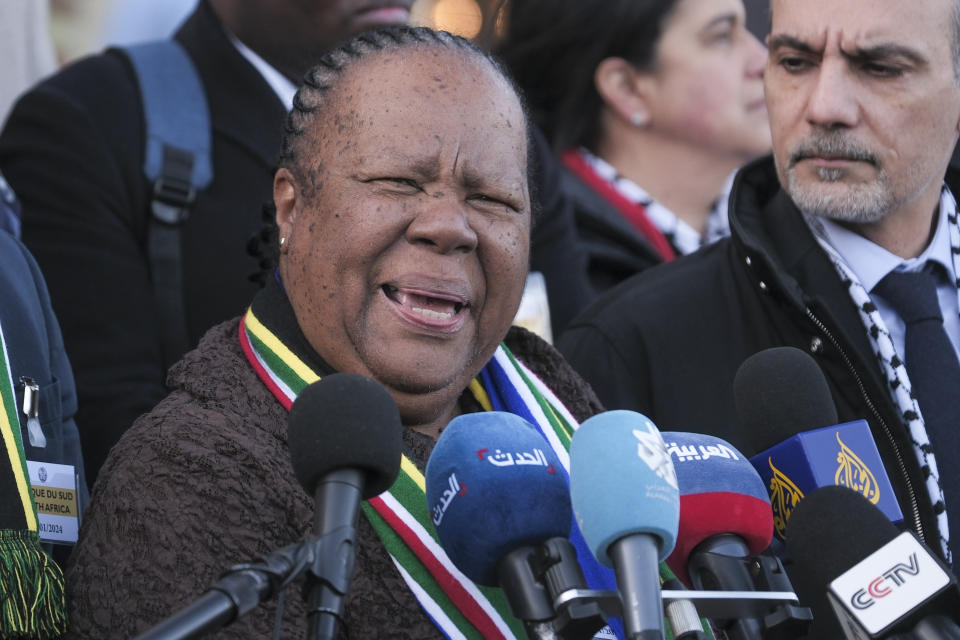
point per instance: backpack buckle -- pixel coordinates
(173, 191)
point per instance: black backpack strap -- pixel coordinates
(177, 160)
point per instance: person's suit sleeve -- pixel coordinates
(613, 369)
(59, 364)
(71, 150)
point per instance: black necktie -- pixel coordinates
(934, 373)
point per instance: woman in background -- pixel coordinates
(652, 105)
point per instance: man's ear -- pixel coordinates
(286, 199)
(623, 90)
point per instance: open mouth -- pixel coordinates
(430, 309)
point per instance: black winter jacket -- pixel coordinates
(72, 149)
(669, 341)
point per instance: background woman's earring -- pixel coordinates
(639, 119)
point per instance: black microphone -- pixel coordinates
(344, 440)
(788, 415)
(779, 392)
(879, 582)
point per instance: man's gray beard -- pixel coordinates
(859, 203)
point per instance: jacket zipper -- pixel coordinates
(915, 508)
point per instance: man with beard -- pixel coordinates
(864, 105)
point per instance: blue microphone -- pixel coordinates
(725, 522)
(785, 405)
(723, 506)
(627, 504)
(496, 492)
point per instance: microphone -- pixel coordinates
(784, 403)
(879, 582)
(500, 503)
(723, 507)
(725, 519)
(344, 435)
(624, 492)
(344, 440)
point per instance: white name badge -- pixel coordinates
(55, 494)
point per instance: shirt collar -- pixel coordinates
(871, 262)
(280, 84)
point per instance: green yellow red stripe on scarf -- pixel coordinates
(457, 606)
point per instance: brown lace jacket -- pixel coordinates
(204, 482)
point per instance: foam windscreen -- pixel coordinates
(779, 392)
(622, 482)
(494, 485)
(345, 421)
(720, 492)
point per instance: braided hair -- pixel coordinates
(319, 84)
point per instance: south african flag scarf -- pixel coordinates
(459, 607)
(31, 584)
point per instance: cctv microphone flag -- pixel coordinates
(880, 582)
(844, 455)
(881, 591)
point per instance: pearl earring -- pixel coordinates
(639, 119)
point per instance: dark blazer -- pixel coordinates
(35, 350)
(73, 151)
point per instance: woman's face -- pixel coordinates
(407, 232)
(708, 80)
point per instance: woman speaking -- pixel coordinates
(403, 215)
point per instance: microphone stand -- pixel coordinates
(770, 599)
(243, 587)
(338, 496)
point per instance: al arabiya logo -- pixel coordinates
(651, 449)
